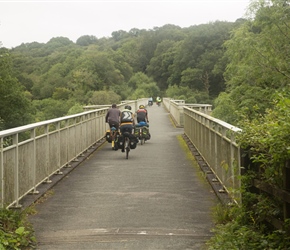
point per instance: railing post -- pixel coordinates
(33, 135)
(46, 131)
(16, 171)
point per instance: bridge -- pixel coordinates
(157, 199)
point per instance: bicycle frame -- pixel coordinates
(127, 146)
(139, 132)
(113, 133)
(140, 135)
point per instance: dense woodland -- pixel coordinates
(236, 66)
(242, 68)
(54, 79)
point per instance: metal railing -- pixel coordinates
(31, 154)
(214, 140)
(175, 108)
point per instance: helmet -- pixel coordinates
(128, 107)
(141, 106)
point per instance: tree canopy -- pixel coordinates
(258, 60)
(134, 64)
(233, 65)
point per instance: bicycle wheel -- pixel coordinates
(113, 139)
(142, 140)
(141, 137)
(127, 147)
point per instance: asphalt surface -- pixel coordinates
(156, 199)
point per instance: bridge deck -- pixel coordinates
(154, 200)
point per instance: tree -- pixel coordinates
(15, 107)
(138, 79)
(145, 91)
(159, 65)
(50, 108)
(258, 55)
(104, 97)
(198, 54)
(86, 40)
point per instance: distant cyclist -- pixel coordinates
(150, 101)
(113, 116)
(158, 100)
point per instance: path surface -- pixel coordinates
(154, 200)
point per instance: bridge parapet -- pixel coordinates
(175, 108)
(31, 154)
(215, 141)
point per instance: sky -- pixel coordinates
(39, 21)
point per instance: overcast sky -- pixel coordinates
(39, 21)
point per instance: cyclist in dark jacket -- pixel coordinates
(127, 123)
(113, 116)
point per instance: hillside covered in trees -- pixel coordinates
(60, 76)
(236, 66)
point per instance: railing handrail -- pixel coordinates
(31, 126)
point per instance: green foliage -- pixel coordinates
(243, 227)
(50, 108)
(266, 140)
(193, 78)
(77, 108)
(61, 94)
(104, 97)
(187, 94)
(15, 107)
(15, 231)
(138, 79)
(86, 40)
(145, 90)
(224, 108)
(268, 136)
(134, 64)
(258, 54)
(159, 65)
(235, 236)
(142, 86)
(197, 56)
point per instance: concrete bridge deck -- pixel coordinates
(156, 199)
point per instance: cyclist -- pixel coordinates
(113, 116)
(150, 101)
(127, 124)
(113, 119)
(142, 118)
(142, 114)
(158, 100)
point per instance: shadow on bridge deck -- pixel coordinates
(154, 200)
